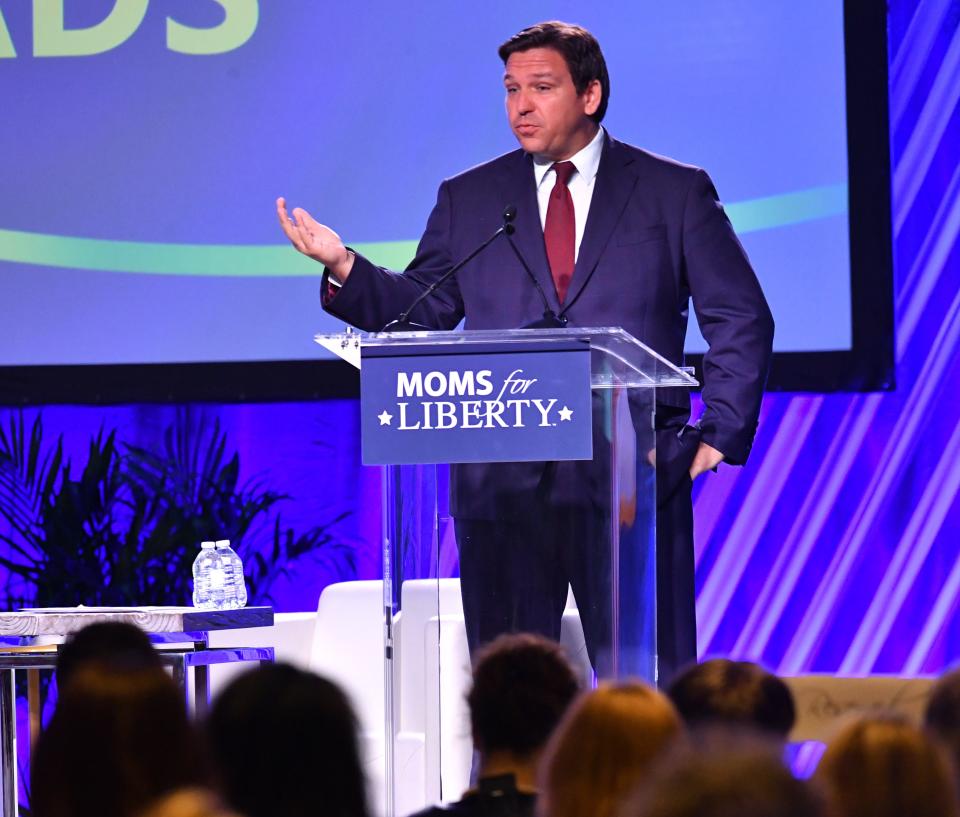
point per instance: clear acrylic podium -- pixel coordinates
(427, 748)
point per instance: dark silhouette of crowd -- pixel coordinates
(282, 742)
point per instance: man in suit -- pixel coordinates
(606, 235)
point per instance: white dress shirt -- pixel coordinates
(586, 161)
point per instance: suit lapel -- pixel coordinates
(519, 188)
(611, 190)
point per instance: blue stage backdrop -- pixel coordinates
(837, 548)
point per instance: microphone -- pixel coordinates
(402, 324)
(549, 319)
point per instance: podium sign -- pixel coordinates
(428, 403)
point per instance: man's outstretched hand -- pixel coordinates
(315, 240)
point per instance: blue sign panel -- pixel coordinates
(437, 404)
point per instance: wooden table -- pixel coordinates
(179, 634)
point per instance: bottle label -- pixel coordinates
(217, 578)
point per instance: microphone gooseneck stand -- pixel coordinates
(549, 320)
(402, 323)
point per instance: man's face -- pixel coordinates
(546, 114)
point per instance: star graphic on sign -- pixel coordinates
(384, 418)
(566, 414)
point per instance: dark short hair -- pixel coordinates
(579, 49)
(721, 691)
(522, 685)
(286, 741)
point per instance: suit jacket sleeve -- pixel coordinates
(734, 319)
(372, 296)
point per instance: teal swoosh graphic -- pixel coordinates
(768, 212)
(279, 260)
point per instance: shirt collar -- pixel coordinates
(586, 160)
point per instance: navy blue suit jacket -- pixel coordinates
(656, 237)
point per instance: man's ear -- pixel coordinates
(592, 97)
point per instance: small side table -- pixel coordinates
(179, 634)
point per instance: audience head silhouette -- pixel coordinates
(942, 715)
(108, 643)
(886, 767)
(522, 685)
(118, 740)
(285, 742)
(733, 693)
(723, 774)
(604, 747)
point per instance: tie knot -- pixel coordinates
(564, 171)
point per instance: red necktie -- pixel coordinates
(560, 229)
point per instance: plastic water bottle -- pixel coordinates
(234, 586)
(208, 578)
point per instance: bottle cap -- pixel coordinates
(223, 543)
(207, 544)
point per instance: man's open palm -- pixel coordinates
(315, 240)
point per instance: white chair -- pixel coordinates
(348, 648)
(291, 637)
(434, 679)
